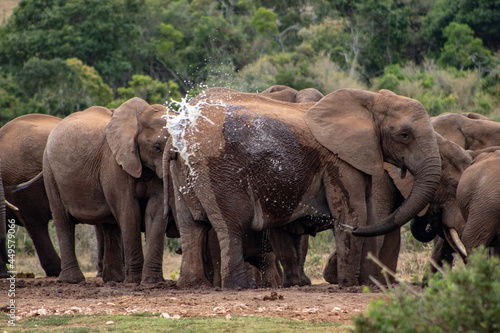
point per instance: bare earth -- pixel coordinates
(319, 302)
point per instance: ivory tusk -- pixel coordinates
(453, 239)
(11, 206)
(458, 242)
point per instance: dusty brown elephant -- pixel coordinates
(22, 142)
(103, 167)
(245, 161)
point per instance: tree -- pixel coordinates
(102, 34)
(152, 91)
(461, 49)
(58, 87)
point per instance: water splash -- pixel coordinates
(183, 122)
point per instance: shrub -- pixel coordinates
(465, 299)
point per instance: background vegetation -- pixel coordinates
(61, 56)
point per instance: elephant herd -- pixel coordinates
(245, 178)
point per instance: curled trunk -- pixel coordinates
(427, 178)
(425, 228)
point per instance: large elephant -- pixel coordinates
(241, 160)
(478, 194)
(103, 167)
(22, 142)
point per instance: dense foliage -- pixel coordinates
(465, 299)
(162, 49)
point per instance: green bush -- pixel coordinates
(465, 299)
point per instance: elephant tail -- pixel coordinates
(27, 184)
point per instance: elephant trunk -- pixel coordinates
(166, 178)
(427, 178)
(425, 228)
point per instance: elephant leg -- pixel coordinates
(212, 262)
(330, 270)
(100, 248)
(129, 222)
(442, 253)
(233, 271)
(389, 252)
(156, 227)
(193, 239)
(112, 261)
(269, 271)
(65, 228)
(290, 257)
(3, 259)
(38, 231)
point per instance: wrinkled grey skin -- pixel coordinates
(103, 167)
(230, 151)
(22, 142)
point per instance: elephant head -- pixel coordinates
(365, 129)
(136, 136)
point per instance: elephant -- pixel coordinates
(469, 133)
(287, 94)
(478, 195)
(259, 254)
(472, 132)
(242, 161)
(103, 167)
(22, 142)
(387, 199)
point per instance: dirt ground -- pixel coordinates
(320, 301)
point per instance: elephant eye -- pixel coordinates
(405, 136)
(157, 149)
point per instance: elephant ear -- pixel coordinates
(342, 122)
(121, 135)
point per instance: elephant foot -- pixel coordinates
(136, 279)
(152, 279)
(52, 271)
(242, 281)
(3, 273)
(301, 280)
(71, 276)
(188, 283)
